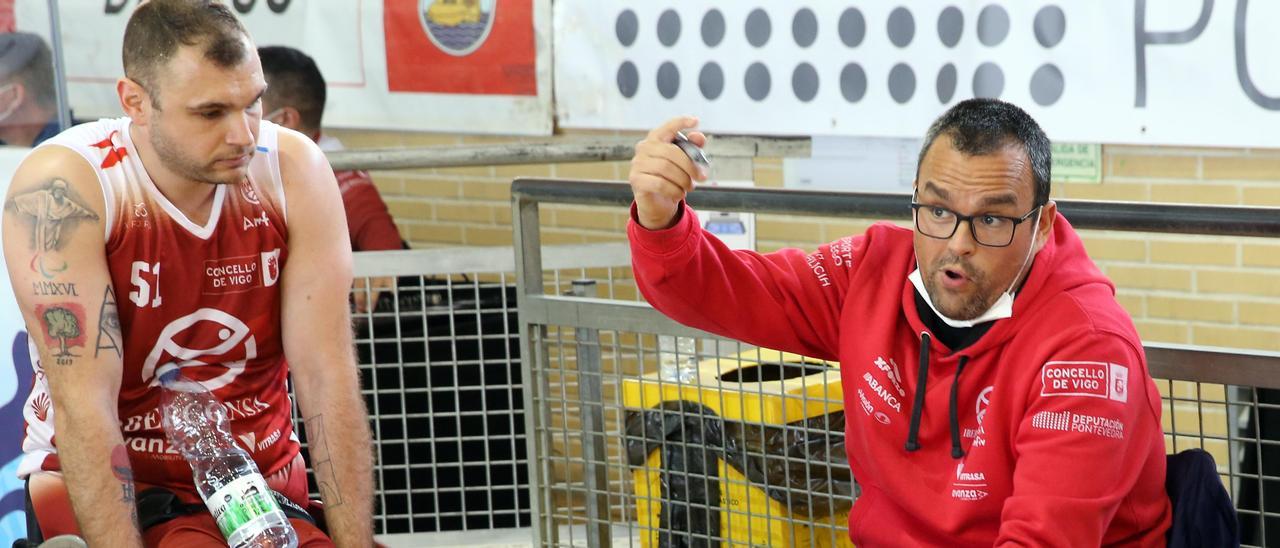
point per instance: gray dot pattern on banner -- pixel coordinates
(1050, 26)
(669, 28)
(804, 27)
(757, 81)
(902, 83)
(758, 27)
(1048, 82)
(804, 82)
(853, 82)
(993, 25)
(628, 79)
(988, 81)
(668, 79)
(1047, 85)
(712, 28)
(950, 26)
(711, 81)
(627, 27)
(901, 27)
(852, 27)
(947, 79)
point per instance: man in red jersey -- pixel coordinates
(974, 418)
(166, 244)
(295, 99)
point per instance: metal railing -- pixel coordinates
(608, 149)
(440, 368)
(591, 390)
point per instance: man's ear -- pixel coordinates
(1044, 228)
(135, 101)
(14, 94)
(291, 118)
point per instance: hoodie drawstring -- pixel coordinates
(917, 408)
(956, 451)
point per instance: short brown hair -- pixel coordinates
(294, 80)
(159, 27)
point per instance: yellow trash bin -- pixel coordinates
(758, 442)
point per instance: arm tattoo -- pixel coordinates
(108, 324)
(54, 289)
(62, 324)
(123, 471)
(326, 478)
(51, 209)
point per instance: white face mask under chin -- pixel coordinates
(1001, 309)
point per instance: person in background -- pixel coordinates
(28, 98)
(295, 99)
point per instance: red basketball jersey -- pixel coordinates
(204, 299)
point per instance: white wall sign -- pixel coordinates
(489, 74)
(1173, 72)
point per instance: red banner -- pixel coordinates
(456, 46)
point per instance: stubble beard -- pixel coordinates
(973, 304)
(177, 161)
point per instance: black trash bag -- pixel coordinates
(690, 436)
(801, 465)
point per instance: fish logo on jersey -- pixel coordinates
(206, 337)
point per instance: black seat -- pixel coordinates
(1202, 511)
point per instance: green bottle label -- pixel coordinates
(240, 503)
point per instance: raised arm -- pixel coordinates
(788, 300)
(54, 248)
(317, 341)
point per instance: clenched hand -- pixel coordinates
(661, 174)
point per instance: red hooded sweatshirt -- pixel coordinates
(1055, 416)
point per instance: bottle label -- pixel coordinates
(240, 504)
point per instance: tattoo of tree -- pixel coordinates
(61, 323)
(51, 209)
(321, 462)
(108, 324)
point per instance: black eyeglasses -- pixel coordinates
(989, 230)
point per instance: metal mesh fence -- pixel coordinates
(746, 448)
(439, 361)
(643, 440)
(741, 446)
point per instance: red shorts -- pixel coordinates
(51, 504)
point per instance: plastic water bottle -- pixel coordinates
(228, 480)
(677, 358)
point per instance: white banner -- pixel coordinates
(1175, 72)
(15, 383)
(483, 69)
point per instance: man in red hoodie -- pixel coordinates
(1020, 410)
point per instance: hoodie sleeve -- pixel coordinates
(787, 300)
(1090, 436)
